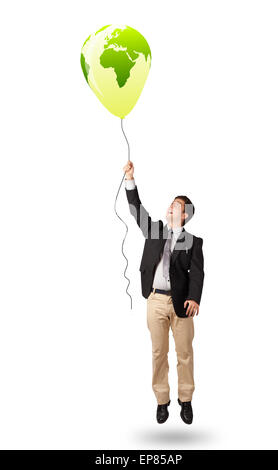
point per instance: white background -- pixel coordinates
(75, 360)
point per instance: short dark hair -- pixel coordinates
(188, 207)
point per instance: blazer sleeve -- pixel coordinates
(149, 228)
(196, 273)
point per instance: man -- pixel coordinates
(172, 281)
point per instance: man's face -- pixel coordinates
(175, 214)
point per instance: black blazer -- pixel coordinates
(186, 261)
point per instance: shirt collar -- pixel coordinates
(175, 229)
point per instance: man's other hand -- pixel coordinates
(129, 170)
(192, 309)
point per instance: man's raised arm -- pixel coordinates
(149, 228)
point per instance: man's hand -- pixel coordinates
(192, 309)
(129, 170)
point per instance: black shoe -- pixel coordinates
(186, 411)
(162, 412)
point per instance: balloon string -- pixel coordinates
(123, 220)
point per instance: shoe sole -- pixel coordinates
(186, 422)
(162, 422)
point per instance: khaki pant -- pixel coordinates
(160, 316)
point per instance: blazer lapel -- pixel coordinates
(182, 244)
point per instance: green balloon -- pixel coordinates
(116, 61)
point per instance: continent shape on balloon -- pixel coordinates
(116, 61)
